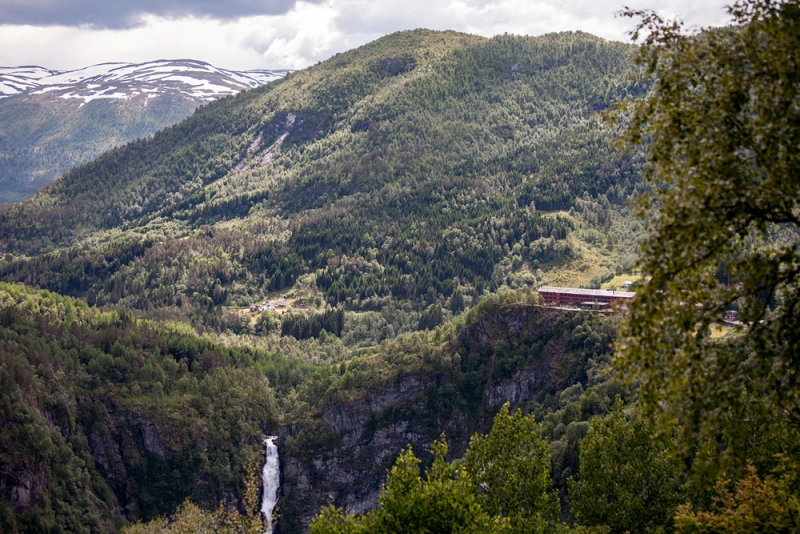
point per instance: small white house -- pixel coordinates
(281, 302)
(626, 284)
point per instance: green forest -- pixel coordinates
(346, 260)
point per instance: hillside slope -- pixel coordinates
(452, 382)
(420, 167)
(106, 419)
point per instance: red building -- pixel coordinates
(586, 298)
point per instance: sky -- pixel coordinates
(273, 34)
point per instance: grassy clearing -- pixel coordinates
(617, 281)
(720, 330)
(599, 253)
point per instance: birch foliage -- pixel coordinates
(722, 125)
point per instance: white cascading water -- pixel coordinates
(272, 479)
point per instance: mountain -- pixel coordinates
(413, 168)
(197, 79)
(52, 121)
(404, 198)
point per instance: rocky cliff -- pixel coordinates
(356, 443)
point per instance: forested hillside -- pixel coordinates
(105, 418)
(388, 194)
(425, 167)
(412, 109)
(108, 419)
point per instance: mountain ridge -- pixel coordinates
(17, 80)
(421, 168)
(52, 121)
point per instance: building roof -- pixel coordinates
(596, 293)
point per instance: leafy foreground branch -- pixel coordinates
(628, 479)
(722, 125)
(756, 505)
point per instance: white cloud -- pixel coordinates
(63, 48)
(303, 36)
(310, 32)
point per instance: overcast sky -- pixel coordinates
(264, 34)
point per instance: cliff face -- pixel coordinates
(22, 487)
(97, 464)
(351, 471)
(123, 445)
(105, 419)
(108, 465)
(364, 438)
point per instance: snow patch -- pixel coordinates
(207, 82)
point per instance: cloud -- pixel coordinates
(529, 17)
(303, 36)
(313, 30)
(337, 25)
(66, 48)
(125, 14)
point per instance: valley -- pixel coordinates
(405, 198)
(344, 263)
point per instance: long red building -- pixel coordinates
(577, 297)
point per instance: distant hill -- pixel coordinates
(52, 121)
(416, 168)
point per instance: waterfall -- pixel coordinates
(272, 480)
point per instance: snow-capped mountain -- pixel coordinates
(51, 121)
(196, 79)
